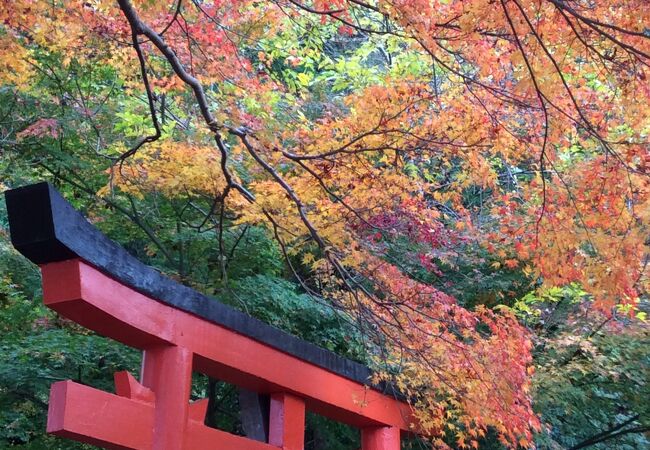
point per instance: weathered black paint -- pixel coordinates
(46, 228)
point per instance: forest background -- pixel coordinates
(455, 193)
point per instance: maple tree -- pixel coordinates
(540, 106)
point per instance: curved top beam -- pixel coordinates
(46, 228)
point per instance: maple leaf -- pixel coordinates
(40, 128)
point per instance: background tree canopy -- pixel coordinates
(455, 193)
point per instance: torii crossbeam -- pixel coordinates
(93, 281)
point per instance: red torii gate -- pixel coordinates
(96, 283)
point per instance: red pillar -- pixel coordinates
(380, 438)
(167, 370)
(287, 422)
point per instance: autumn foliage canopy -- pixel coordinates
(540, 104)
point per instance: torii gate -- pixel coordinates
(93, 281)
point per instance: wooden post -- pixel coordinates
(168, 372)
(380, 438)
(287, 422)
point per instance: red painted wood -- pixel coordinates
(96, 301)
(198, 410)
(127, 386)
(95, 417)
(287, 422)
(113, 311)
(89, 415)
(380, 438)
(167, 371)
(200, 437)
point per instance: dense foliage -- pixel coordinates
(454, 192)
